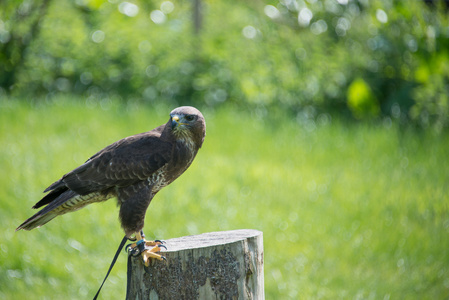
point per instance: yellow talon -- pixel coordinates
(151, 247)
(150, 253)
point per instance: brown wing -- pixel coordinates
(125, 163)
(120, 164)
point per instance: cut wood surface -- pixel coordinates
(215, 265)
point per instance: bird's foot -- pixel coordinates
(147, 249)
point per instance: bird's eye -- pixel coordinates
(190, 118)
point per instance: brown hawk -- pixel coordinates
(133, 170)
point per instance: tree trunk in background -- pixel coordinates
(197, 16)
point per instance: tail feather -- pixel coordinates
(37, 221)
(50, 197)
(47, 213)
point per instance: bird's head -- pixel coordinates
(188, 123)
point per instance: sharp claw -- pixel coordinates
(145, 248)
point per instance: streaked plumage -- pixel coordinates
(133, 170)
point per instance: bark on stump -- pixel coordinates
(215, 265)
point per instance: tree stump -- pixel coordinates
(215, 265)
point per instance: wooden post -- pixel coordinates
(215, 265)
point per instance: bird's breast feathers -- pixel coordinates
(183, 154)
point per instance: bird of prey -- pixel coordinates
(133, 170)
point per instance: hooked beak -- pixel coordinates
(174, 121)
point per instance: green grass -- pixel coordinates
(348, 211)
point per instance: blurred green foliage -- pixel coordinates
(286, 55)
(361, 100)
(347, 212)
